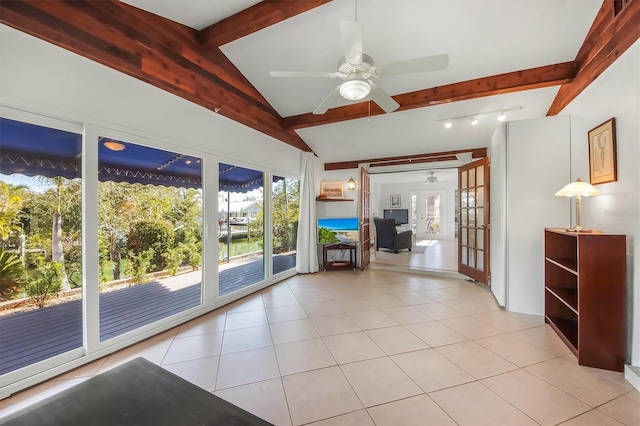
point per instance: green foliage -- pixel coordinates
(173, 258)
(139, 265)
(42, 283)
(11, 197)
(10, 273)
(192, 254)
(156, 235)
(326, 235)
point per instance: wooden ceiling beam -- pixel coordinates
(609, 37)
(255, 18)
(533, 78)
(407, 159)
(152, 49)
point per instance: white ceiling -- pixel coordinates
(482, 37)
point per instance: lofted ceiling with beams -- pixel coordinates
(538, 54)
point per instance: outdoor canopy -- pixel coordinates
(34, 150)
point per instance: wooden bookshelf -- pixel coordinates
(585, 295)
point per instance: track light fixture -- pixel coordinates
(473, 118)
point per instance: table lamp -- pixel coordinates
(578, 189)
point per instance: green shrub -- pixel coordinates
(156, 235)
(173, 259)
(138, 266)
(192, 253)
(10, 272)
(43, 282)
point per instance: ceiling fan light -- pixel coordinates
(354, 90)
(448, 124)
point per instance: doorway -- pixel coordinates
(432, 213)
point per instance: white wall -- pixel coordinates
(616, 94)
(533, 158)
(498, 234)
(40, 77)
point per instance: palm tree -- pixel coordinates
(57, 254)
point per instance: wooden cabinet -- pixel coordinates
(585, 295)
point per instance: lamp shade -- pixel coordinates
(578, 188)
(351, 184)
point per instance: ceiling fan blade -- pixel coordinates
(381, 98)
(304, 74)
(351, 41)
(329, 102)
(411, 66)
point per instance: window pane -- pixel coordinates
(480, 265)
(150, 235)
(480, 196)
(480, 175)
(241, 228)
(472, 178)
(463, 180)
(40, 243)
(432, 214)
(286, 205)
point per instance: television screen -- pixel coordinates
(338, 230)
(400, 215)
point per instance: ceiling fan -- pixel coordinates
(358, 71)
(431, 179)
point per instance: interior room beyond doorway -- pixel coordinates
(430, 196)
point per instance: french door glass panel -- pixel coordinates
(150, 235)
(285, 195)
(40, 243)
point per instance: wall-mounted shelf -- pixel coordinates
(328, 200)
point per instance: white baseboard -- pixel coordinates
(632, 375)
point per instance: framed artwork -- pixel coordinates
(332, 190)
(395, 201)
(602, 153)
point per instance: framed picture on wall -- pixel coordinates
(395, 201)
(332, 190)
(602, 153)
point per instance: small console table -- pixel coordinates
(339, 264)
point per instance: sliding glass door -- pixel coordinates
(150, 235)
(240, 228)
(285, 196)
(40, 244)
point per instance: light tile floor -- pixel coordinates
(378, 347)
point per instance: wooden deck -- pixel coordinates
(33, 336)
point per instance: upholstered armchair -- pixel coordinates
(388, 237)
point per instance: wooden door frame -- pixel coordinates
(365, 218)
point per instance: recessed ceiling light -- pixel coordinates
(448, 124)
(474, 121)
(502, 116)
(114, 146)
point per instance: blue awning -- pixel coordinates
(35, 150)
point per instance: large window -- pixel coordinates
(150, 235)
(40, 243)
(240, 228)
(102, 239)
(285, 194)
